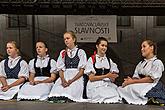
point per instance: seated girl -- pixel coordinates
(13, 72)
(42, 75)
(146, 76)
(71, 63)
(102, 73)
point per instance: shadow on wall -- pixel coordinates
(1, 57)
(90, 48)
(161, 55)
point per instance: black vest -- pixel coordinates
(45, 71)
(102, 71)
(72, 62)
(12, 72)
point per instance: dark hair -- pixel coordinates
(152, 43)
(46, 46)
(73, 36)
(98, 41)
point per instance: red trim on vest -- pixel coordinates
(93, 57)
(63, 54)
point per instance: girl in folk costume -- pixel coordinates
(42, 75)
(146, 76)
(71, 63)
(13, 72)
(102, 72)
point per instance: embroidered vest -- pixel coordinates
(12, 72)
(72, 62)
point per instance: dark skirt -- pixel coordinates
(157, 92)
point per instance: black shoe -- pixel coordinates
(124, 101)
(153, 101)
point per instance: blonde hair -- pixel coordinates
(15, 45)
(73, 36)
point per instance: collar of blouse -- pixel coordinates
(151, 59)
(101, 58)
(73, 49)
(42, 58)
(18, 57)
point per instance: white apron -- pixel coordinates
(102, 92)
(9, 94)
(73, 92)
(39, 91)
(134, 93)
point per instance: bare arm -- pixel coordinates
(61, 74)
(79, 74)
(31, 78)
(48, 80)
(144, 80)
(63, 81)
(3, 81)
(17, 82)
(129, 80)
(93, 77)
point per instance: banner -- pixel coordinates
(89, 27)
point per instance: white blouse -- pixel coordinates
(71, 53)
(43, 62)
(24, 71)
(100, 62)
(152, 67)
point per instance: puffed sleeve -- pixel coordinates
(2, 73)
(83, 59)
(53, 66)
(31, 66)
(136, 72)
(60, 61)
(156, 70)
(114, 67)
(89, 67)
(24, 71)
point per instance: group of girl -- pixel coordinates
(37, 80)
